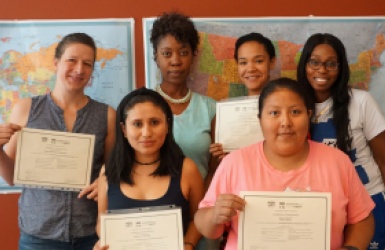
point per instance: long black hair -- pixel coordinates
(340, 90)
(120, 163)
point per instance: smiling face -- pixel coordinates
(75, 66)
(145, 129)
(285, 122)
(322, 79)
(254, 65)
(174, 60)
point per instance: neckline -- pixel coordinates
(295, 171)
(151, 200)
(192, 100)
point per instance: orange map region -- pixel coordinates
(287, 54)
(105, 55)
(217, 88)
(223, 47)
(230, 71)
(43, 58)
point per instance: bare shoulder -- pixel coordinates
(111, 113)
(20, 112)
(190, 169)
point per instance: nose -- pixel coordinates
(286, 119)
(175, 59)
(250, 66)
(79, 67)
(146, 130)
(322, 68)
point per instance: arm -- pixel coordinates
(360, 233)
(192, 185)
(102, 204)
(110, 138)
(211, 221)
(377, 145)
(8, 138)
(92, 190)
(213, 162)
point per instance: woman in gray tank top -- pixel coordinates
(51, 219)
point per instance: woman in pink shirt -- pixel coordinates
(286, 160)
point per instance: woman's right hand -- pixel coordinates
(6, 132)
(216, 150)
(99, 247)
(226, 206)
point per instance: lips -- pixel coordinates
(286, 134)
(147, 143)
(320, 79)
(77, 78)
(175, 73)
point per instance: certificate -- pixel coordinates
(285, 221)
(237, 123)
(53, 160)
(146, 229)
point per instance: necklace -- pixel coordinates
(323, 111)
(172, 100)
(147, 163)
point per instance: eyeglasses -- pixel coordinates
(329, 65)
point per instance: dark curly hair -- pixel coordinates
(179, 26)
(340, 90)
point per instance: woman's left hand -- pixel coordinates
(91, 191)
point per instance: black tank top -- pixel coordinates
(173, 196)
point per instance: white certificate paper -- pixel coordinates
(53, 160)
(237, 123)
(143, 230)
(285, 221)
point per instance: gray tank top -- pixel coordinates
(60, 215)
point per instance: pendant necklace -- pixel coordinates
(185, 99)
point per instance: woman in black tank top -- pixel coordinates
(146, 167)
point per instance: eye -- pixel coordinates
(296, 112)
(155, 122)
(166, 53)
(184, 53)
(70, 60)
(331, 64)
(314, 62)
(259, 61)
(89, 64)
(274, 113)
(137, 124)
(241, 62)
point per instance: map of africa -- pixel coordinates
(27, 52)
(214, 72)
(26, 61)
